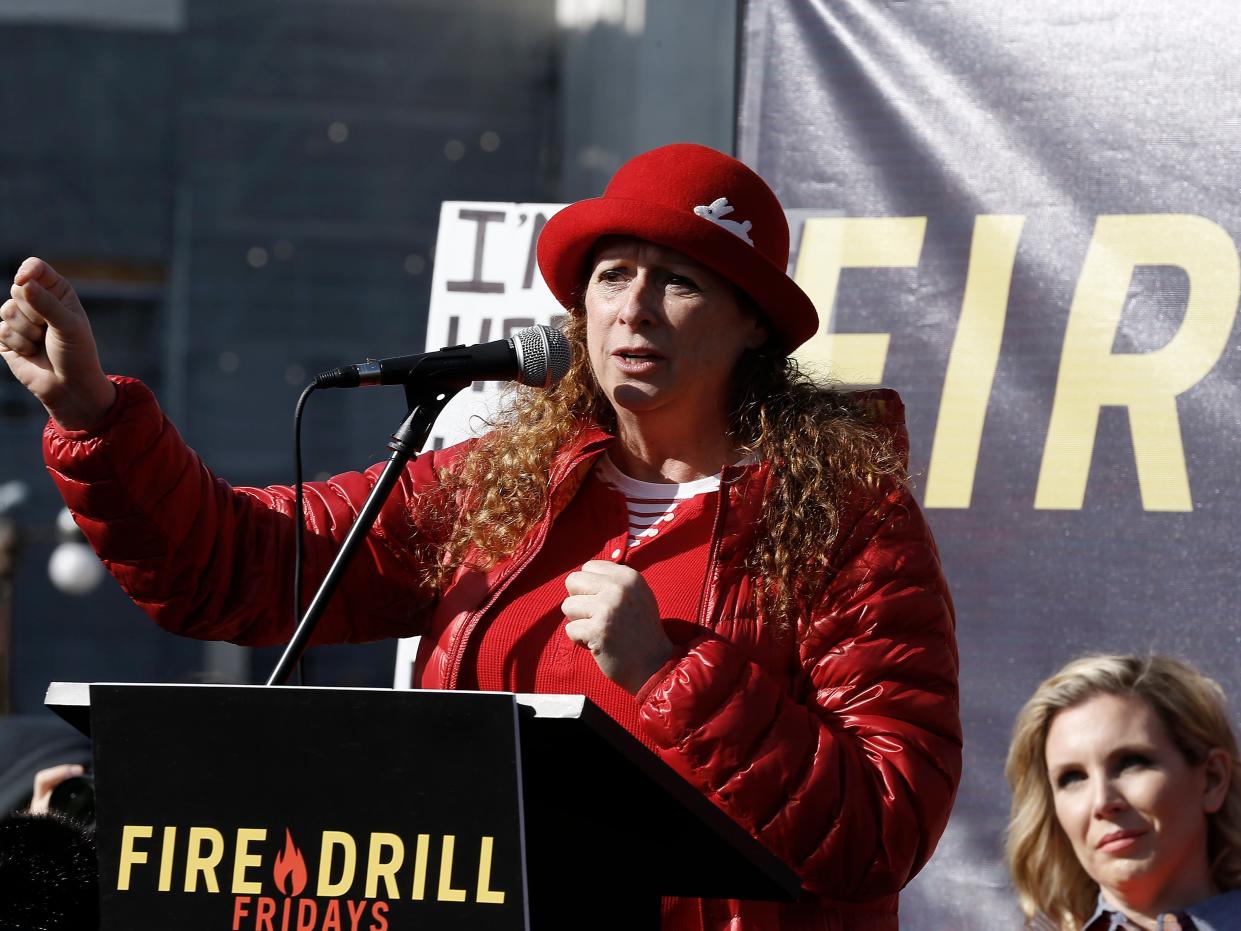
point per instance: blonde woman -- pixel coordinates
(1126, 812)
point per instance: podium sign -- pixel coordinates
(221, 813)
(296, 809)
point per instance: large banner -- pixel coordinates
(1023, 217)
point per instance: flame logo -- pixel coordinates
(290, 868)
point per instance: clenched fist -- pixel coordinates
(46, 341)
(612, 613)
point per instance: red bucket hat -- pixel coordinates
(705, 205)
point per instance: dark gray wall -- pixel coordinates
(244, 201)
(640, 74)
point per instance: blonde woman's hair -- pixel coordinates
(822, 446)
(1051, 884)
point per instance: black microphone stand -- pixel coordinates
(426, 401)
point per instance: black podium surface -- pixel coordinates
(308, 809)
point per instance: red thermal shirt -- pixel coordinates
(523, 646)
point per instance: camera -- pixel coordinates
(75, 797)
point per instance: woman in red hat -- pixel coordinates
(720, 553)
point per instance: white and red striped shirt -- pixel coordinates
(652, 506)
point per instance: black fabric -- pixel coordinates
(49, 879)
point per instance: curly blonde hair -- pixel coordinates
(822, 447)
(1051, 884)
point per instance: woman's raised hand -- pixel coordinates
(46, 341)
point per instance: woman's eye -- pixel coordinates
(681, 282)
(1069, 777)
(610, 275)
(1134, 761)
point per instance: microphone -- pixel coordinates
(537, 356)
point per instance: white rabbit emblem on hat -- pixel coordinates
(719, 209)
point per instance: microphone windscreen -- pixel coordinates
(543, 355)
(49, 876)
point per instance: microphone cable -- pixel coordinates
(298, 522)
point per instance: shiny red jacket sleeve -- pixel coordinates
(848, 776)
(215, 562)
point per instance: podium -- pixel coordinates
(246, 808)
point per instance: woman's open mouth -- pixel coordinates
(637, 359)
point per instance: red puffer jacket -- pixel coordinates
(837, 744)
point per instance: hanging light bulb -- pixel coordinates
(73, 567)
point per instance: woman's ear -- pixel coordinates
(760, 332)
(1218, 770)
(758, 338)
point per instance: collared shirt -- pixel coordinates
(1218, 913)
